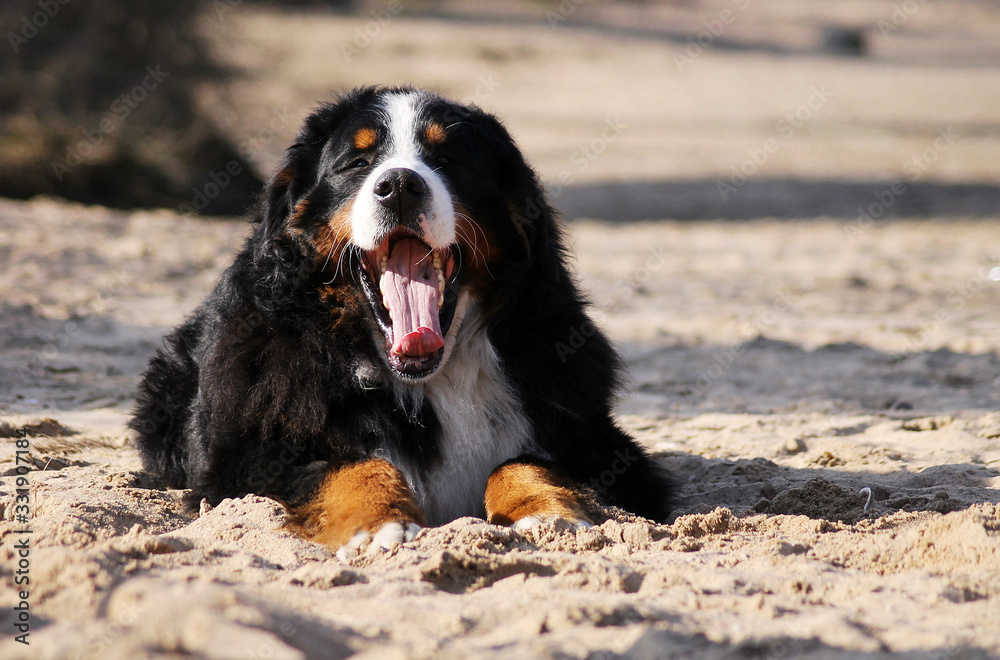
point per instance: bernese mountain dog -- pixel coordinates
(388, 350)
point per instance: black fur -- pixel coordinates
(257, 391)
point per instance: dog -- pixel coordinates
(391, 347)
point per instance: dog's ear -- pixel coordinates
(298, 172)
(278, 200)
(531, 215)
(527, 206)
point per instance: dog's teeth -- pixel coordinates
(437, 261)
(383, 264)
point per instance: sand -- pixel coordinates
(826, 390)
(774, 548)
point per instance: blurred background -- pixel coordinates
(684, 109)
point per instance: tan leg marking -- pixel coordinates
(356, 498)
(520, 490)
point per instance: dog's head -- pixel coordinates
(422, 204)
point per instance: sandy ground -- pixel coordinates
(784, 358)
(755, 391)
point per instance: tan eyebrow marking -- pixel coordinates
(365, 138)
(435, 133)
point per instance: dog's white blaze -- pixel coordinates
(402, 113)
(482, 425)
(482, 422)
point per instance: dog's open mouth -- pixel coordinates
(411, 289)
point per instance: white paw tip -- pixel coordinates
(526, 522)
(391, 535)
(559, 522)
(387, 537)
(412, 529)
(352, 548)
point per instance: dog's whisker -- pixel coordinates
(329, 254)
(335, 247)
(474, 242)
(421, 260)
(471, 240)
(341, 245)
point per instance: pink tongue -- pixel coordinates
(410, 292)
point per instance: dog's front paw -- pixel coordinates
(363, 506)
(388, 537)
(559, 522)
(526, 495)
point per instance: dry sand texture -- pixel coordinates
(825, 389)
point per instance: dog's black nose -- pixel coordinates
(400, 190)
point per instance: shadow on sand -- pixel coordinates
(777, 198)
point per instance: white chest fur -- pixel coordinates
(482, 425)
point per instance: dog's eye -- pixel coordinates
(358, 164)
(444, 160)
